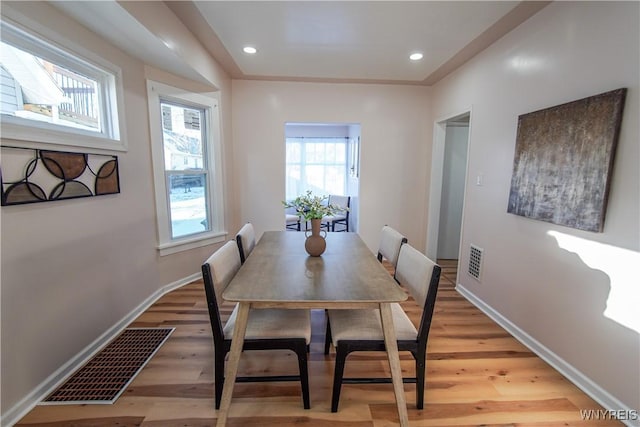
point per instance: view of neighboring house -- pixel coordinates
(36, 89)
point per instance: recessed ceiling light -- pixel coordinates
(249, 49)
(415, 56)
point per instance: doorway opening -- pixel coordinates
(324, 158)
(448, 182)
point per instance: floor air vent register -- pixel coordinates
(109, 372)
(475, 262)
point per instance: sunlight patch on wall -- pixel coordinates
(621, 265)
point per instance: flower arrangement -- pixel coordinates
(311, 207)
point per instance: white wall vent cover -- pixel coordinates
(475, 261)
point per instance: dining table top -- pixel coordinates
(279, 271)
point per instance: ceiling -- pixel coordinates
(345, 41)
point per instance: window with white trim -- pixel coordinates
(318, 164)
(185, 140)
(53, 95)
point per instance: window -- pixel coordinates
(316, 164)
(49, 93)
(186, 161)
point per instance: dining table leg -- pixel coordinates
(394, 362)
(237, 342)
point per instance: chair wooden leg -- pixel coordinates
(341, 356)
(219, 375)
(301, 351)
(327, 338)
(420, 373)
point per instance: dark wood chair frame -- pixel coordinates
(222, 346)
(240, 248)
(294, 226)
(344, 222)
(418, 349)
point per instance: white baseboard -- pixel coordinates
(20, 409)
(583, 382)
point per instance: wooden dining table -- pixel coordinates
(279, 274)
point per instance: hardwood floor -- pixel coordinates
(477, 375)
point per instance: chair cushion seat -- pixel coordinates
(365, 324)
(273, 323)
(292, 218)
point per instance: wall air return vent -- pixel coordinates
(475, 262)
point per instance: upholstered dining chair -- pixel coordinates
(390, 242)
(361, 330)
(246, 241)
(342, 217)
(267, 329)
(292, 221)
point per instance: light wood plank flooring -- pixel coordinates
(477, 375)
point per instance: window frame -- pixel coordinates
(202, 172)
(303, 162)
(156, 93)
(44, 43)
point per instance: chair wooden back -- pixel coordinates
(217, 272)
(420, 276)
(343, 202)
(246, 241)
(390, 242)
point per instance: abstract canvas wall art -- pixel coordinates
(32, 175)
(564, 159)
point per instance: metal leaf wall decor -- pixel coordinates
(34, 176)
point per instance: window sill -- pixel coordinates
(42, 137)
(192, 243)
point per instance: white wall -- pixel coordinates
(74, 269)
(336, 130)
(394, 149)
(579, 306)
